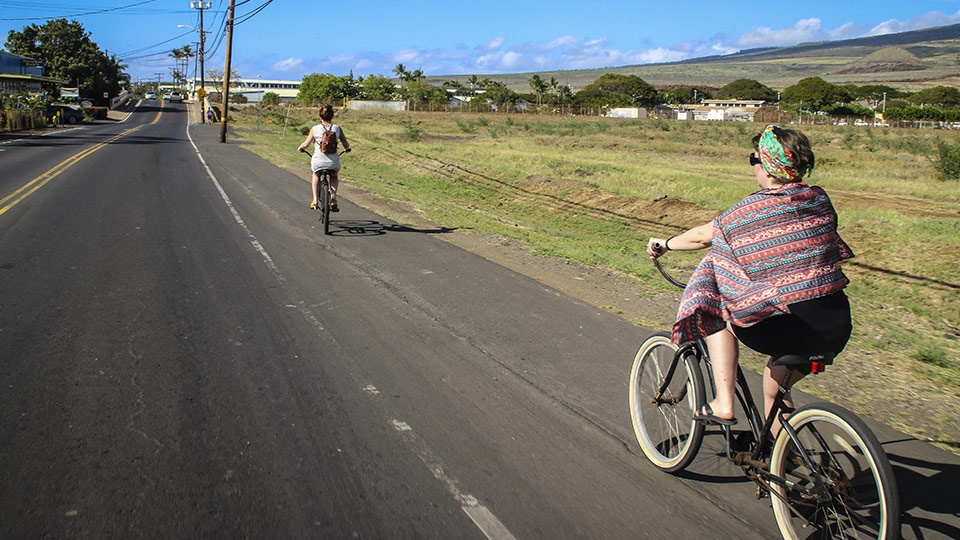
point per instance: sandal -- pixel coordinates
(314, 205)
(334, 207)
(705, 415)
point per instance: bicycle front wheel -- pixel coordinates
(663, 421)
(848, 492)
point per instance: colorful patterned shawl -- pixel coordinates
(774, 248)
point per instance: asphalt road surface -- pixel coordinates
(184, 354)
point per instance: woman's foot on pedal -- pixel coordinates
(334, 207)
(707, 416)
(314, 205)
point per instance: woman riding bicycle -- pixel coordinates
(324, 161)
(772, 278)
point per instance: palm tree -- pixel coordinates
(539, 87)
(401, 71)
(454, 85)
(182, 57)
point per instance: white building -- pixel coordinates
(627, 112)
(740, 110)
(254, 89)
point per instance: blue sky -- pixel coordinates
(287, 39)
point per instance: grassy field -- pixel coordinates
(594, 189)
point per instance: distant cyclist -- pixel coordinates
(325, 161)
(772, 278)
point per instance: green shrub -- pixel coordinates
(411, 130)
(947, 160)
(932, 354)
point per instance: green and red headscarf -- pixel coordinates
(777, 160)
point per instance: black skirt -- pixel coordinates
(812, 326)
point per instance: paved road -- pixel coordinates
(185, 354)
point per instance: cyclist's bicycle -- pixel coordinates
(826, 473)
(324, 195)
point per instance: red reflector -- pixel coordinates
(817, 367)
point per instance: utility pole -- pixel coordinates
(201, 6)
(226, 74)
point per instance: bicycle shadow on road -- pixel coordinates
(368, 227)
(712, 466)
(928, 502)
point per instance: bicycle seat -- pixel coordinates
(808, 362)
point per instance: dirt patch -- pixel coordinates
(907, 205)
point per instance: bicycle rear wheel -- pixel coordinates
(664, 425)
(860, 498)
(325, 203)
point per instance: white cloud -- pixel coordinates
(927, 20)
(512, 60)
(409, 56)
(288, 65)
(846, 31)
(493, 44)
(805, 30)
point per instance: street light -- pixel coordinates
(202, 6)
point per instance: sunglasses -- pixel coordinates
(754, 160)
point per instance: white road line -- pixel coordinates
(253, 239)
(482, 517)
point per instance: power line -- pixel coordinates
(34, 5)
(248, 16)
(127, 54)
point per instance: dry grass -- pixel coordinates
(593, 189)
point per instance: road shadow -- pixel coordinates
(928, 503)
(369, 227)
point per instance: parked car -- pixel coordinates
(69, 114)
(150, 95)
(175, 96)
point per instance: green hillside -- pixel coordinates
(908, 60)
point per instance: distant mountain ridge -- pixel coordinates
(934, 53)
(900, 39)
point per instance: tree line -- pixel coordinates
(812, 95)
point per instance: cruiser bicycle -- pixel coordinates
(825, 472)
(324, 195)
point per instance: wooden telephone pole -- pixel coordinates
(225, 98)
(201, 5)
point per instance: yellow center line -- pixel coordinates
(160, 112)
(30, 187)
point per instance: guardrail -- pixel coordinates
(119, 100)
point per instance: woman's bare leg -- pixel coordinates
(334, 185)
(724, 352)
(773, 377)
(315, 186)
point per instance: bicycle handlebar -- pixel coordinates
(663, 272)
(305, 151)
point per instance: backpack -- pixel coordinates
(328, 143)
